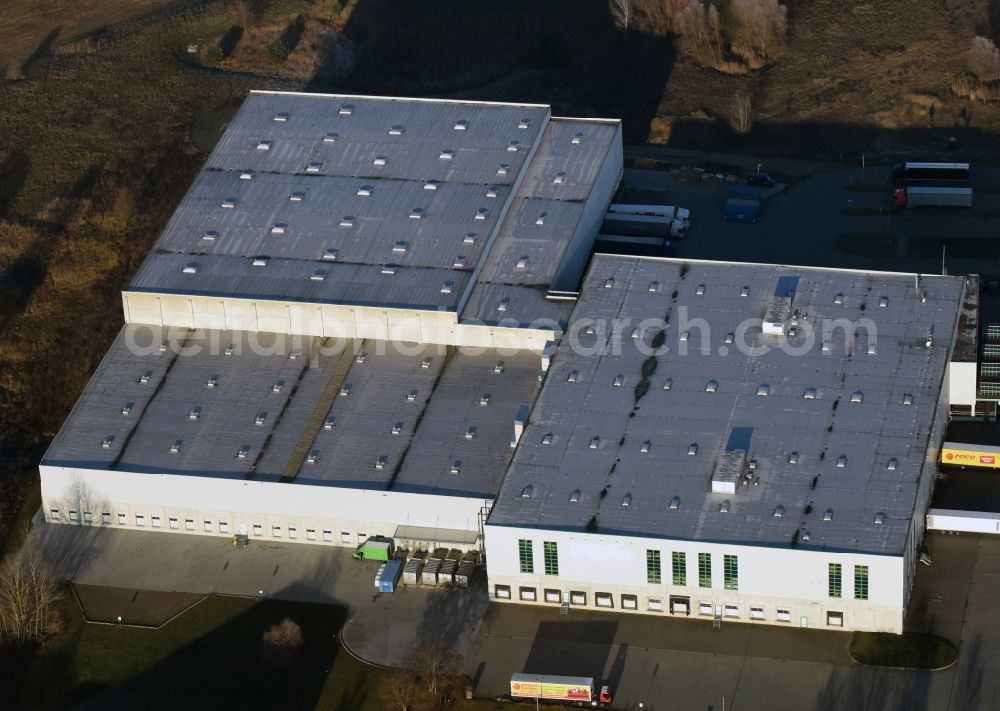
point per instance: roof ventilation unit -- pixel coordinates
(907, 398)
(416, 213)
(279, 228)
(644, 447)
(574, 498)
(484, 399)
(547, 438)
(365, 190)
(379, 161)
(712, 386)
(880, 518)
(595, 442)
(106, 442)
(382, 460)
(431, 185)
(210, 236)
(259, 419)
(330, 423)
(459, 262)
(397, 130)
(313, 457)
(175, 448)
(503, 168)
(763, 390)
(400, 247)
(456, 466)
(577, 139)
(330, 254)
(330, 137)
(524, 123)
(842, 461)
(504, 302)
(397, 427)
(195, 413)
(190, 268)
(446, 287)
(675, 503)
(668, 383)
(779, 511)
(229, 203)
(346, 109)
(729, 469)
(692, 449)
(513, 146)
(471, 433)
(446, 154)
(426, 362)
(246, 175)
(314, 167)
(857, 396)
(522, 262)
(893, 463)
(281, 116)
(627, 500)
(527, 491)
(388, 269)
(461, 125)
(297, 196)
(491, 191)
(264, 144)
(127, 408)
(838, 299)
(828, 515)
(482, 213)
(347, 221)
(243, 452)
(559, 179)
(258, 262)
(724, 506)
(654, 286)
(619, 380)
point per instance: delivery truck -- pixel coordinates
(647, 220)
(375, 549)
(557, 688)
(932, 196)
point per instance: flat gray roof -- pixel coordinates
(299, 409)
(598, 447)
(299, 203)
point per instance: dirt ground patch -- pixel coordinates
(33, 28)
(135, 607)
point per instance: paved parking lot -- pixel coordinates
(661, 663)
(801, 225)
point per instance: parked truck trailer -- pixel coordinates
(933, 197)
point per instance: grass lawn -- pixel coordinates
(910, 650)
(211, 653)
(207, 657)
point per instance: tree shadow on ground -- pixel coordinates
(567, 53)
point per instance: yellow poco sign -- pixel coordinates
(970, 455)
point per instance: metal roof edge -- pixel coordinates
(423, 100)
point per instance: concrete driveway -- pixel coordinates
(661, 663)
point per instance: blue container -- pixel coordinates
(391, 574)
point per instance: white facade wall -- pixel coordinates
(324, 321)
(961, 382)
(770, 579)
(350, 515)
(578, 250)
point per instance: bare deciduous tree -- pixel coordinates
(741, 114)
(435, 664)
(621, 11)
(692, 24)
(402, 690)
(983, 58)
(764, 23)
(29, 595)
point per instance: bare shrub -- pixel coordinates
(983, 59)
(29, 595)
(692, 24)
(281, 644)
(741, 114)
(659, 16)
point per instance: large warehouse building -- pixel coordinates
(340, 330)
(771, 461)
(366, 318)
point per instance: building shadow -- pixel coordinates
(574, 648)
